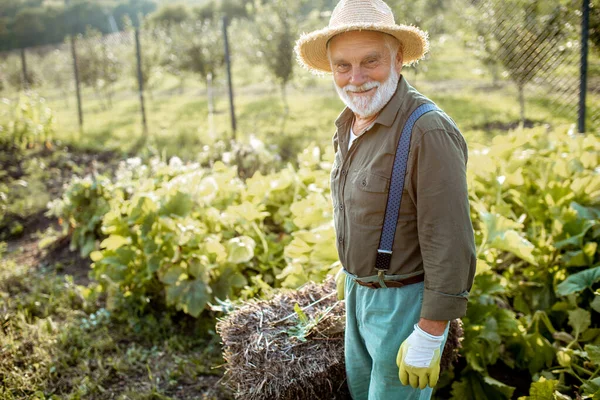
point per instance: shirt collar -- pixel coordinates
(387, 114)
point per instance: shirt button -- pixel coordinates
(340, 240)
(343, 172)
(341, 206)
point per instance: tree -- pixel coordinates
(152, 53)
(131, 10)
(521, 35)
(170, 15)
(595, 25)
(202, 50)
(36, 22)
(98, 66)
(275, 32)
(28, 25)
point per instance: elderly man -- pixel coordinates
(401, 211)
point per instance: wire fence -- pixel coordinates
(526, 53)
(538, 44)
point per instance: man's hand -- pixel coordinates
(419, 359)
(340, 283)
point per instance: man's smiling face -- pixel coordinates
(365, 70)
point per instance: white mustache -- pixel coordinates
(362, 88)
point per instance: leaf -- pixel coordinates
(195, 297)
(580, 281)
(179, 204)
(482, 267)
(173, 294)
(590, 250)
(499, 386)
(574, 259)
(189, 296)
(595, 304)
(145, 207)
(591, 387)
(172, 275)
(576, 241)
(293, 276)
(473, 387)
(589, 335)
(228, 277)
(197, 268)
(98, 255)
(540, 353)
(542, 389)
(301, 314)
(88, 246)
(501, 234)
(564, 358)
(489, 284)
(248, 211)
(593, 353)
(154, 263)
(297, 249)
(241, 249)
(113, 242)
(580, 320)
(213, 246)
(311, 211)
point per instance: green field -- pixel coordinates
(179, 122)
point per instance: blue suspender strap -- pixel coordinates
(384, 253)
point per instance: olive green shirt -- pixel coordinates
(434, 234)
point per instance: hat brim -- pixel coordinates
(311, 48)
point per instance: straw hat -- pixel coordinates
(356, 15)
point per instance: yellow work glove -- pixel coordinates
(340, 284)
(419, 359)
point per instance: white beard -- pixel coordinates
(367, 106)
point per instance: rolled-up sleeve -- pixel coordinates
(439, 190)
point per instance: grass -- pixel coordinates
(57, 341)
(179, 124)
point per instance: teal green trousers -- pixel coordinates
(377, 322)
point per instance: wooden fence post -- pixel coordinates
(77, 89)
(24, 70)
(228, 63)
(138, 52)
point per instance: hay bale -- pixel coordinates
(263, 360)
(453, 345)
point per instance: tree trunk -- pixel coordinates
(495, 79)
(100, 98)
(211, 105)
(210, 94)
(181, 84)
(522, 103)
(110, 96)
(286, 108)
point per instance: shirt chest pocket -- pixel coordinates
(368, 198)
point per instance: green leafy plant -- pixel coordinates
(185, 236)
(27, 123)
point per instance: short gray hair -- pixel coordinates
(393, 45)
